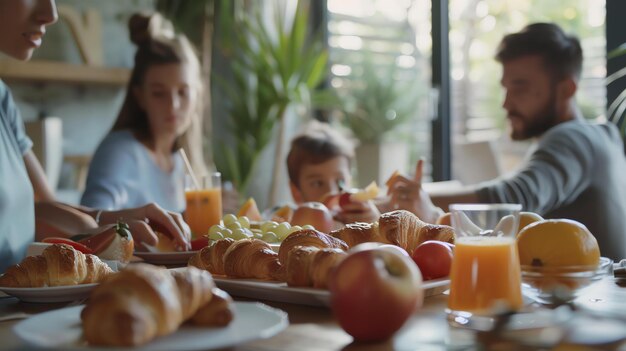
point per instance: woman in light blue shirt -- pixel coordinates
(22, 181)
(138, 162)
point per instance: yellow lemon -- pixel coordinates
(557, 243)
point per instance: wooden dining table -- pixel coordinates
(601, 306)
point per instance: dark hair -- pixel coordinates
(314, 146)
(561, 53)
(158, 44)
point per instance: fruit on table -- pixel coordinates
(249, 209)
(433, 258)
(526, 218)
(315, 214)
(445, 219)
(239, 228)
(283, 214)
(557, 243)
(374, 291)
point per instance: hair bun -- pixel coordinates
(144, 28)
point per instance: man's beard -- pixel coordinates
(544, 120)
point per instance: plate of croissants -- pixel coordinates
(59, 274)
(145, 307)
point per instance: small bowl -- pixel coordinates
(554, 285)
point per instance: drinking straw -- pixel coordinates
(189, 169)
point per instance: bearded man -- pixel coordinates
(577, 169)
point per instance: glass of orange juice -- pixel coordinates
(204, 203)
(485, 273)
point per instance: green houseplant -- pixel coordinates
(377, 104)
(275, 63)
(374, 107)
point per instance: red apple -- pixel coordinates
(315, 214)
(377, 245)
(374, 291)
(434, 259)
(346, 198)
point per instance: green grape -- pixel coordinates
(216, 235)
(234, 225)
(308, 226)
(227, 233)
(270, 237)
(241, 233)
(244, 221)
(215, 229)
(268, 226)
(283, 230)
(295, 228)
(228, 219)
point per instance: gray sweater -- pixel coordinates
(578, 171)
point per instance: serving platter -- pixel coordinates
(280, 292)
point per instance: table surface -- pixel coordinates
(314, 328)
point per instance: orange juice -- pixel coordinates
(484, 270)
(204, 209)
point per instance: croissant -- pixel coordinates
(217, 313)
(251, 258)
(308, 237)
(310, 266)
(211, 258)
(398, 227)
(58, 265)
(142, 302)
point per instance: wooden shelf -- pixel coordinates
(61, 72)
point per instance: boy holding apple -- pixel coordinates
(319, 165)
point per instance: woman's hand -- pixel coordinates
(408, 194)
(145, 220)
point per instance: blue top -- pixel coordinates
(17, 205)
(123, 174)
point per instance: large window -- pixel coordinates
(385, 41)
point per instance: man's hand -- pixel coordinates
(408, 194)
(144, 220)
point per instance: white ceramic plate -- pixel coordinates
(279, 291)
(51, 294)
(61, 329)
(166, 258)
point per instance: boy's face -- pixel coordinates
(317, 180)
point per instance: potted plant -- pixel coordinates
(374, 108)
(275, 64)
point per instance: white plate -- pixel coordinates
(61, 329)
(51, 294)
(279, 291)
(166, 258)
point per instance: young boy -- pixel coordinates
(318, 165)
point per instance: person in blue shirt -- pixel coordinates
(22, 27)
(137, 162)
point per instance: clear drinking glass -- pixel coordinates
(204, 203)
(485, 272)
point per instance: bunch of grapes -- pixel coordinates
(238, 228)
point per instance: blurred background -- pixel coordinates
(404, 79)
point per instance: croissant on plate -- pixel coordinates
(310, 266)
(211, 257)
(251, 258)
(58, 265)
(308, 237)
(399, 227)
(143, 301)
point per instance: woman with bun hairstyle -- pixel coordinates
(138, 162)
(24, 193)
